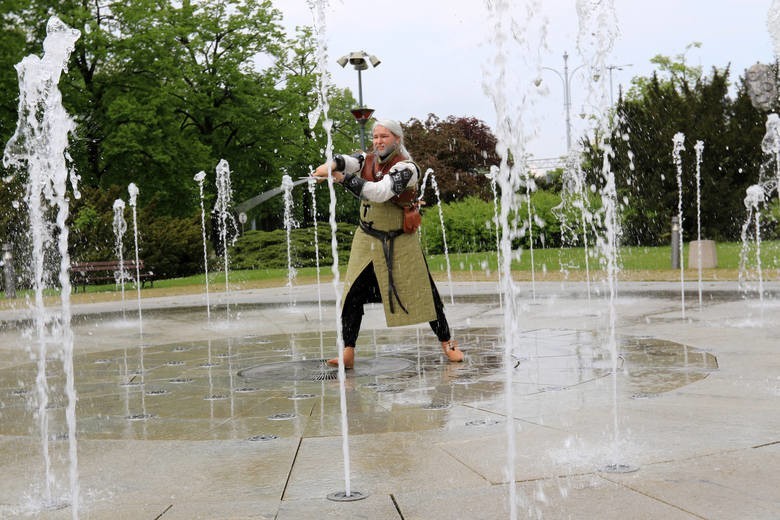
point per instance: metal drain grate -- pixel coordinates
(619, 468)
(341, 496)
(139, 417)
(325, 375)
(297, 397)
(482, 422)
(644, 395)
(281, 416)
(436, 406)
(268, 437)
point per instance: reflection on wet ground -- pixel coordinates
(262, 387)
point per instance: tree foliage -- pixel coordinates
(460, 150)
(700, 107)
(161, 90)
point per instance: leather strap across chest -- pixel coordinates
(373, 170)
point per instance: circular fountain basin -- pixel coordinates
(240, 388)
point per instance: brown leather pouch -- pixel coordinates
(412, 218)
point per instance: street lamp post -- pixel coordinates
(566, 80)
(611, 68)
(360, 60)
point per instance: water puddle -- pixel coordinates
(262, 383)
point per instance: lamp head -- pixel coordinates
(358, 60)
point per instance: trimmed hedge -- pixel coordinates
(268, 249)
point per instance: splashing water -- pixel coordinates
(770, 144)
(312, 186)
(755, 196)
(574, 196)
(228, 229)
(120, 228)
(679, 145)
(289, 224)
(513, 42)
(39, 147)
(759, 193)
(435, 186)
(699, 147)
(199, 177)
(496, 225)
(318, 8)
(597, 33)
(132, 189)
(773, 25)
(530, 187)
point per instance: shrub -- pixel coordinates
(468, 225)
(268, 249)
(172, 246)
(470, 228)
(91, 232)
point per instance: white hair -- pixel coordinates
(396, 129)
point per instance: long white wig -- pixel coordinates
(395, 128)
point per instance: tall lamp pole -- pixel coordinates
(566, 80)
(360, 60)
(611, 68)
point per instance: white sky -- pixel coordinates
(433, 52)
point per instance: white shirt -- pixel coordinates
(381, 190)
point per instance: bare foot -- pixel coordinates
(452, 351)
(349, 358)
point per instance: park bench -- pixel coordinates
(85, 273)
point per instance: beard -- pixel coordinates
(387, 151)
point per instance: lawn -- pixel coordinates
(635, 264)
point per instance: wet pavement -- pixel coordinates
(236, 416)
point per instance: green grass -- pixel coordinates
(572, 259)
(631, 258)
(642, 261)
(550, 260)
(217, 279)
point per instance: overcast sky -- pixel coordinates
(433, 52)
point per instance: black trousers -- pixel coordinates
(366, 290)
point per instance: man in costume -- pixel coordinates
(386, 262)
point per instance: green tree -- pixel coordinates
(190, 94)
(676, 99)
(293, 145)
(12, 49)
(161, 90)
(460, 150)
(674, 70)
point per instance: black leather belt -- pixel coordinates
(387, 238)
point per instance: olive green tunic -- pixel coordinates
(410, 272)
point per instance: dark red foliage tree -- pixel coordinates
(460, 150)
